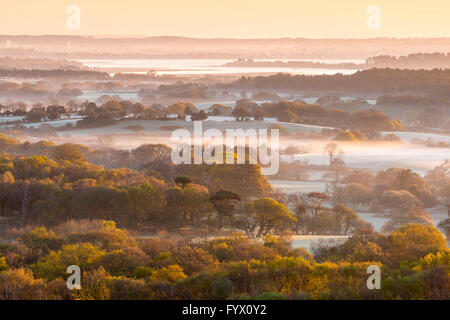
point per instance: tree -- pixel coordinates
(190, 108)
(35, 167)
(287, 116)
(95, 285)
(40, 240)
(222, 288)
(335, 156)
(371, 121)
(128, 289)
(412, 242)
(333, 152)
(187, 206)
(396, 200)
(138, 109)
(177, 108)
(444, 225)
(7, 143)
(290, 274)
(194, 260)
(183, 180)
(435, 268)
(292, 150)
(338, 116)
(369, 251)
(244, 179)
(122, 262)
(68, 152)
(269, 215)
(444, 197)
(400, 217)
(19, 284)
(440, 175)
(36, 114)
(345, 135)
(170, 274)
(7, 177)
(105, 202)
(406, 179)
(316, 200)
(114, 108)
(356, 193)
(55, 112)
(225, 202)
(3, 264)
(149, 153)
(299, 202)
(54, 264)
(196, 204)
(241, 113)
(220, 109)
(443, 170)
(346, 221)
(199, 116)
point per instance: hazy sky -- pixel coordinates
(229, 18)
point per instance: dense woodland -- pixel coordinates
(92, 115)
(141, 227)
(368, 82)
(414, 260)
(146, 229)
(411, 61)
(372, 82)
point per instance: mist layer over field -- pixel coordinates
(373, 155)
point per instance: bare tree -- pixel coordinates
(443, 170)
(335, 156)
(332, 150)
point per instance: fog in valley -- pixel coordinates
(239, 150)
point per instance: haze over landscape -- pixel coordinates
(230, 19)
(353, 95)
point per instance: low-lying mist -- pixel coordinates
(374, 155)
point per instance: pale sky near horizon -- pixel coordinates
(229, 19)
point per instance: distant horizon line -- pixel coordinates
(92, 36)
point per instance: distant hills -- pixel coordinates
(63, 46)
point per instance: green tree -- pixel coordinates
(171, 274)
(3, 264)
(241, 113)
(269, 215)
(225, 203)
(54, 265)
(19, 284)
(412, 242)
(95, 285)
(68, 152)
(183, 180)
